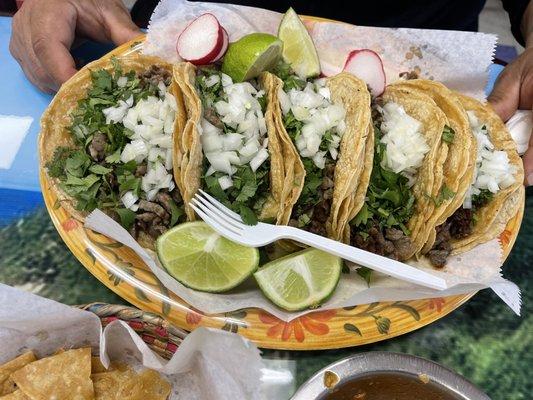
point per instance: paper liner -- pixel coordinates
(202, 367)
(462, 274)
(460, 60)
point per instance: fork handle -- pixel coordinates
(365, 258)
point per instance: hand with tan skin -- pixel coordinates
(514, 88)
(44, 30)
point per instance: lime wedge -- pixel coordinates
(298, 47)
(201, 259)
(250, 55)
(300, 280)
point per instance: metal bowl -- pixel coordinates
(358, 365)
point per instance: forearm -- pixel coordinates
(527, 25)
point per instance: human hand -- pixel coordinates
(514, 90)
(43, 31)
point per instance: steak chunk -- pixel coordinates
(97, 146)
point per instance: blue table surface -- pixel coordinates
(19, 97)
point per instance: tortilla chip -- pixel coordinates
(127, 385)
(6, 383)
(63, 376)
(16, 395)
(97, 366)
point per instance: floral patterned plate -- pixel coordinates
(121, 270)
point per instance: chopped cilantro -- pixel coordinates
(389, 200)
(365, 273)
(290, 81)
(444, 194)
(482, 199)
(247, 215)
(56, 166)
(209, 95)
(303, 220)
(127, 217)
(263, 102)
(448, 134)
(248, 193)
(177, 213)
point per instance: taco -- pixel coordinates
(460, 159)
(229, 146)
(493, 194)
(407, 174)
(328, 121)
(106, 142)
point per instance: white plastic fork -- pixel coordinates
(229, 224)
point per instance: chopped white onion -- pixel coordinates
(152, 122)
(129, 199)
(246, 142)
(313, 106)
(225, 182)
(406, 145)
(212, 80)
(259, 159)
(284, 101)
(493, 170)
(219, 162)
(122, 81)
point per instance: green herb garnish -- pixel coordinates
(389, 200)
(448, 134)
(248, 193)
(209, 95)
(290, 80)
(483, 198)
(444, 194)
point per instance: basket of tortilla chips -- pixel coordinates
(79, 374)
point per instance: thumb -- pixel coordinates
(505, 96)
(528, 163)
(121, 28)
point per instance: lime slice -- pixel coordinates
(300, 280)
(298, 47)
(250, 55)
(201, 259)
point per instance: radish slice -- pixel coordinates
(366, 65)
(225, 44)
(201, 41)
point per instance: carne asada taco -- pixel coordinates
(106, 142)
(328, 121)
(229, 147)
(493, 194)
(461, 156)
(408, 160)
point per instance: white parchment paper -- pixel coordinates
(458, 59)
(207, 365)
(471, 271)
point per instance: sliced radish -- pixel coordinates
(201, 41)
(366, 65)
(225, 44)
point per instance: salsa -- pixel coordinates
(389, 386)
